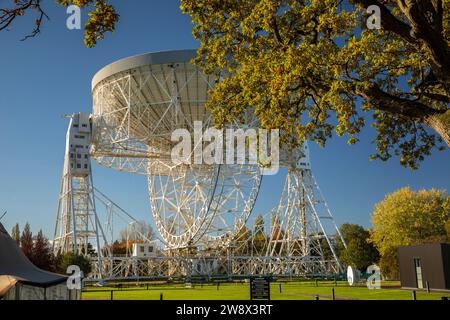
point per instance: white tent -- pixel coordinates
(21, 280)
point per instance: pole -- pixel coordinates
(280, 287)
(414, 297)
(428, 286)
(332, 294)
(161, 297)
(111, 295)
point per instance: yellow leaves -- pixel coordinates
(303, 67)
(102, 19)
(406, 217)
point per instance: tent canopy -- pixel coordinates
(15, 267)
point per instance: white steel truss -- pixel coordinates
(77, 227)
(200, 211)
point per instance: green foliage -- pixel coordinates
(26, 241)
(359, 253)
(389, 264)
(304, 67)
(102, 19)
(69, 259)
(406, 218)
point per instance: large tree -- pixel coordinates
(359, 253)
(313, 67)
(407, 218)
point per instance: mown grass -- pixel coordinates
(241, 291)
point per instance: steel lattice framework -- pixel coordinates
(77, 225)
(138, 103)
(201, 211)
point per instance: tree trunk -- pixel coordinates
(440, 123)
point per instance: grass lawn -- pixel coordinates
(240, 291)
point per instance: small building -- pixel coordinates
(422, 264)
(22, 280)
(144, 250)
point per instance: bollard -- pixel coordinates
(414, 297)
(111, 297)
(317, 298)
(428, 286)
(280, 287)
(332, 294)
(161, 297)
(147, 286)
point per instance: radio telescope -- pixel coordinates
(138, 103)
(201, 210)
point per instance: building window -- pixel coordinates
(78, 166)
(85, 166)
(75, 126)
(71, 156)
(141, 249)
(85, 156)
(84, 125)
(78, 156)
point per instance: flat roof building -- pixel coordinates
(426, 264)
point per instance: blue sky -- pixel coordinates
(49, 76)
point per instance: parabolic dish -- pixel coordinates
(138, 103)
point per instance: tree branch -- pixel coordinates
(389, 103)
(8, 16)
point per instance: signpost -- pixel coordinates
(260, 288)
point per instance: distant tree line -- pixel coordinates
(40, 252)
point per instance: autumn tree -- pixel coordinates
(259, 237)
(242, 239)
(406, 218)
(42, 255)
(311, 68)
(15, 234)
(102, 16)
